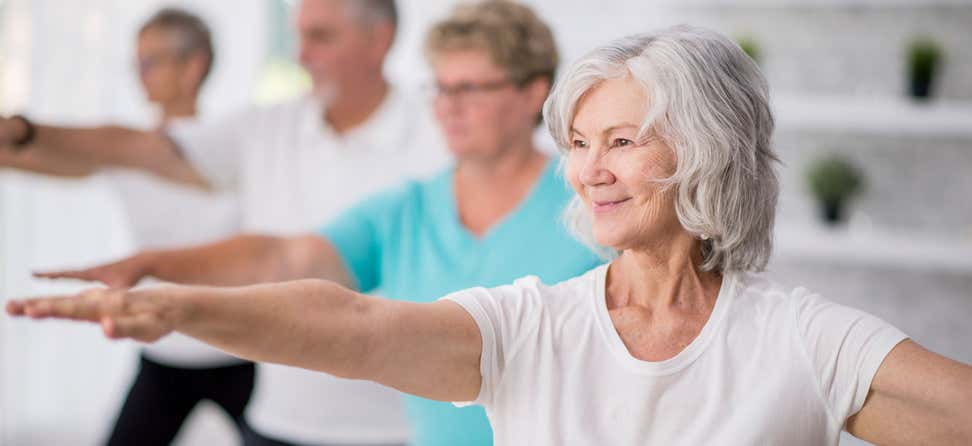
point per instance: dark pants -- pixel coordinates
(162, 397)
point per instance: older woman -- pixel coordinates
(676, 341)
(493, 63)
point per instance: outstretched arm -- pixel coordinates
(97, 147)
(431, 350)
(240, 260)
(45, 163)
(917, 397)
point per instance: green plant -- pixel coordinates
(924, 58)
(834, 179)
(750, 47)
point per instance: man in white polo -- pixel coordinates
(291, 166)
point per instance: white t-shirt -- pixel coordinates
(292, 173)
(771, 366)
(162, 214)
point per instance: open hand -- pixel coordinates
(143, 315)
(124, 273)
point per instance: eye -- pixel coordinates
(622, 142)
(578, 144)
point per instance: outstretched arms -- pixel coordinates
(430, 350)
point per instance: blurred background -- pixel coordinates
(873, 100)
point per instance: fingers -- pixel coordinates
(100, 274)
(81, 274)
(90, 306)
(141, 327)
(74, 308)
(121, 314)
(15, 308)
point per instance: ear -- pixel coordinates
(195, 71)
(537, 91)
(382, 36)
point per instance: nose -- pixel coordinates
(594, 171)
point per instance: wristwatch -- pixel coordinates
(28, 137)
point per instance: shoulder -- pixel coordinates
(795, 307)
(286, 115)
(757, 298)
(531, 291)
(527, 303)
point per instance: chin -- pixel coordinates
(608, 239)
(459, 150)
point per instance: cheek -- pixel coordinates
(572, 173)
(440, 110)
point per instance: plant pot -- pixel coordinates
(921, 87)
(832, 212)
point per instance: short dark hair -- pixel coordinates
(192, 32)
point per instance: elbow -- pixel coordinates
(348, 321)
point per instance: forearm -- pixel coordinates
(246, 260)
(312, 324)
(114, 146)
(42, 162)
(237, 261)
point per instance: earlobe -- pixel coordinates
(539, 89)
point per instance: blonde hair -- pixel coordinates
(511, 33)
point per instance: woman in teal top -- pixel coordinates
(409, 243)
(492, 218)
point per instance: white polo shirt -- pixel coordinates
(292, 173)
(162, 214)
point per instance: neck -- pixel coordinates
(663, 276)
(488, 188)
(178, 108)
(354, 104)
(496, 170)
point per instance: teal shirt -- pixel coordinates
(408, 244)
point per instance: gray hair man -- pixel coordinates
(292, 166)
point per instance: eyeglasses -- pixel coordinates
(467, 91)
(150, 62)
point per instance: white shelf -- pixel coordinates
(847, 246)
(882, 116)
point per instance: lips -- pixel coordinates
(600, 206)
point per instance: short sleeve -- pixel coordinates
(360, 233)
(213, 148)
(506, 317)
(845, 347)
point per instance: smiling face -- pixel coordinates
(612, 169)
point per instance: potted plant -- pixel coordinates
(833, 180)
(924, 60)
(750, 47)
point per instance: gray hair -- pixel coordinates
(374, 11)
(709, 102)
(191, 32)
